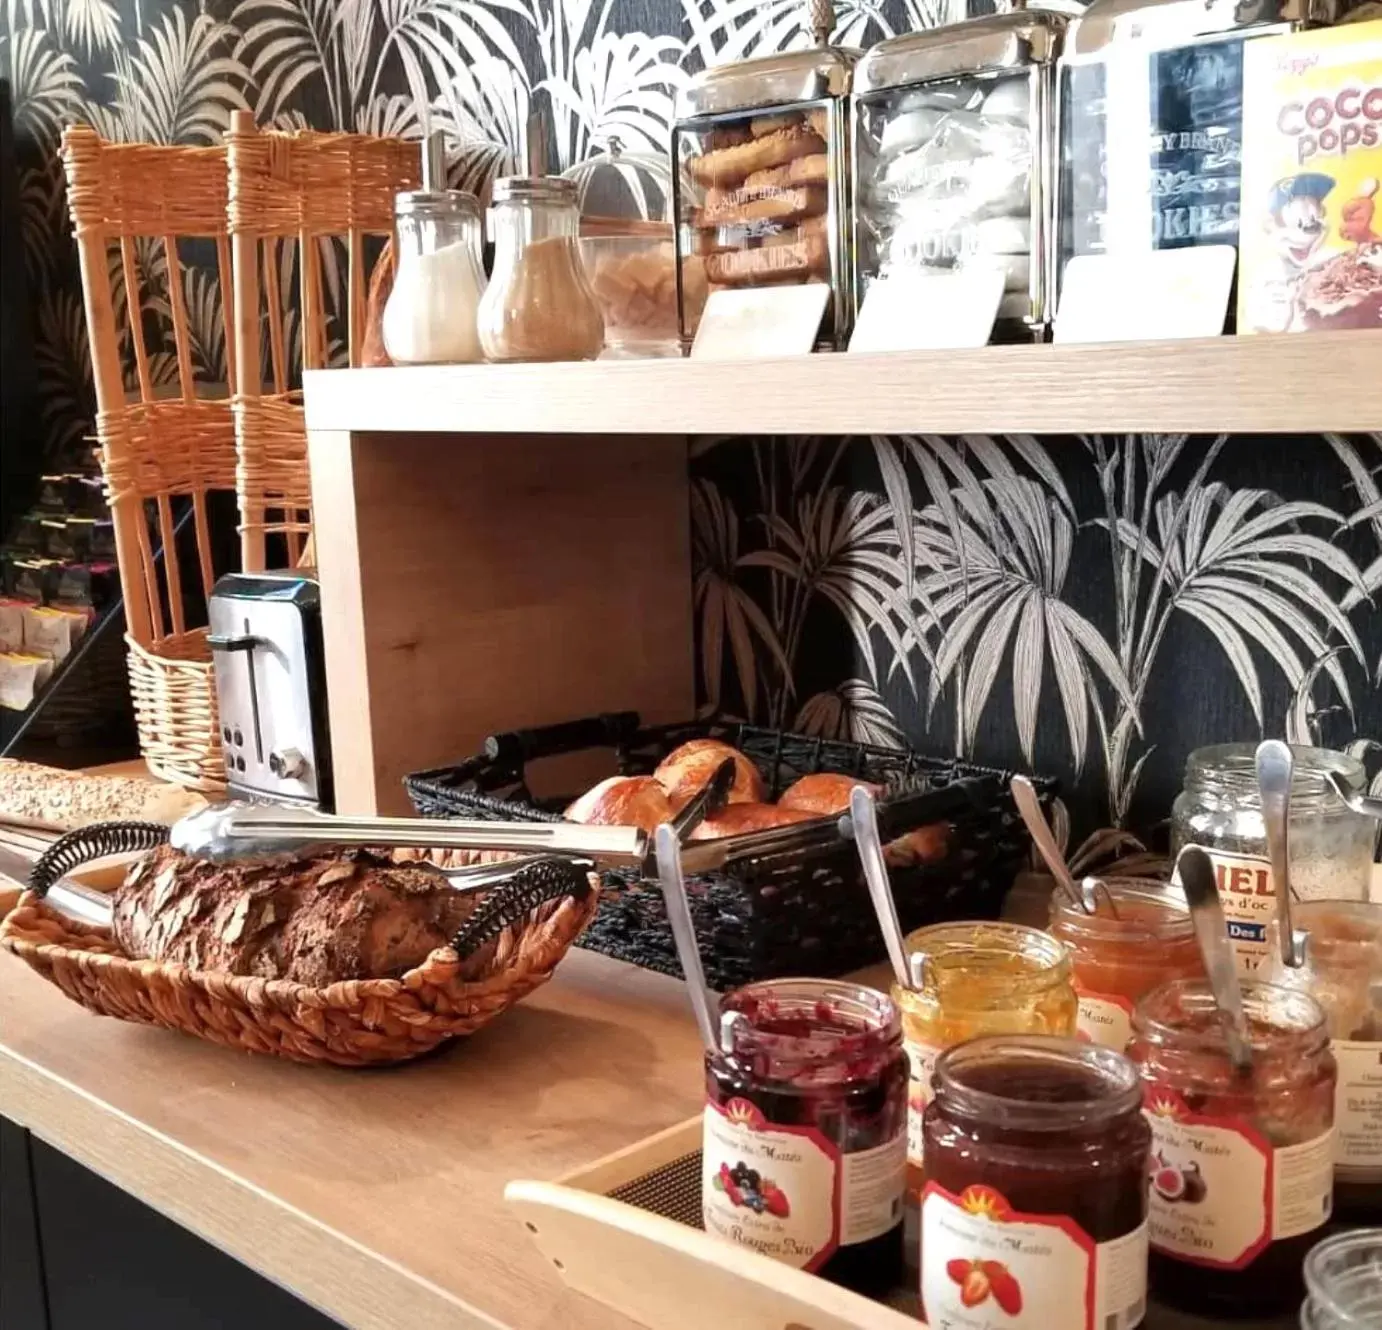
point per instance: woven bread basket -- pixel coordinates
(356, 1023)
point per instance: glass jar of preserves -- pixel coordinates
(1343, 1278)
(1342, 971)
(805, 1135)
(1242, 1169)
(1220, 810)
(1036, 1197)
(1140, 935)
(539, 304)
(973, 979)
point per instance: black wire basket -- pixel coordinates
(764, 916)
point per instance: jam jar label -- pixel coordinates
(788, 1192)
(1104, 1018)
(1358, 1106)
(1219, 1193)
(1249, 901)
(922, 1060)
(985, 1265)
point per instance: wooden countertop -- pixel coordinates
(374, 1195)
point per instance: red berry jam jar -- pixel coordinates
(805, 1141)
(1241, 1179)
(1034, 1213)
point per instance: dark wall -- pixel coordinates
(77, 1253)
(1090, 607)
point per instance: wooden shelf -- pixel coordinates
(1276, 384)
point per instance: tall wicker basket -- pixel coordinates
(312, 189)
(163, 416)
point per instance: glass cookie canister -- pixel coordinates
(760, 162)
(953, 157)
(1220, 810)
(1151, 121)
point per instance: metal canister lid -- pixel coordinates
(1162, 24)
(1009, 41)
(773, 80)
(534, 189)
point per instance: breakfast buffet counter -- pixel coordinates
(376, 1196)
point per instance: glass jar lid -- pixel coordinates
(618, 186)
(785, 79)
(995, 42)
(436, 203)
(534, 189)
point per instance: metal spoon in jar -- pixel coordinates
(1365, 804)
(1029, 805)
(864, 824)
(1276, 768)
(1195, 873)
(668, 851)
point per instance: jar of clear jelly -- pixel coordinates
(1342, 971)
(1139, 936)
(1035, 1207)
(1220, 810)
(973, 978)
(805, 1136)
(1242, 1170)
(1343, 1277)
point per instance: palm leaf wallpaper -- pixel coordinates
(1088, 607)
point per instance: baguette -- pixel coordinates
(48, 797)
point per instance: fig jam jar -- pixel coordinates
(1140, 936)
(1034, 1214)
(805, 1137)
(1241, 1177)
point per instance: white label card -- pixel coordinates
(1149, 296)
(926, 310)
(760, 321)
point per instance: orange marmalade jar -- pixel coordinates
(1118, 954)
(972, 979)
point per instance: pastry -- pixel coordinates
(926, 845)
(731, 166)
(372, 353)
(727, 136)
(623, 801)
(744, 207)
(739, 818)
(823, 792)
(685, 770)
(34, 795)
(314, 921)
(812, 170)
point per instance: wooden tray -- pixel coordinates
(626, 1231)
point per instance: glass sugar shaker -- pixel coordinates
(539, 304)
(429, 318)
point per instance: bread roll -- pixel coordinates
(49, 797)
(314, 921)
(686, 769)
(926, 845)
(623, 801)
(824, 792)
(739, 818)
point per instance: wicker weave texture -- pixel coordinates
(351, 1024)
(309, 190)
(162, 444)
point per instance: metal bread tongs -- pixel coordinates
(234, 833)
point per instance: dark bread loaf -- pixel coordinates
(315, 921)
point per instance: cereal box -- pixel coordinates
(1311, 233)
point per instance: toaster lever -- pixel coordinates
(236, 642)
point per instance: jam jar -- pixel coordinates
(1220, 810)
(805, 1130)
(1343, 1276)
(1342, 971)
(1139, 936)
(1242, 1170)
(973, 979)
(1036, 1199)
